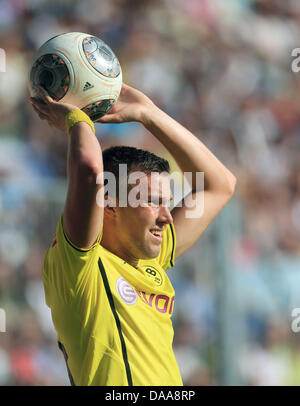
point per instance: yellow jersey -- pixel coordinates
(113, 321)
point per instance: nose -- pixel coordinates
(165, 215)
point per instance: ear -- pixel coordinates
(109, 211)
(110, 206)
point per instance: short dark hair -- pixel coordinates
(135, 159)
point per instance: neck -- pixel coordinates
(113, 247)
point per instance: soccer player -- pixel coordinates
(105, 274)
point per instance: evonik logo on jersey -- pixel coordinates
(160, 303)
(126, 292)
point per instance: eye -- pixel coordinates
(159, 202)
(154, 202)
(150, 203)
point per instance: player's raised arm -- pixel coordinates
(82, 216)
(191, 155)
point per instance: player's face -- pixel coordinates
(142, 226)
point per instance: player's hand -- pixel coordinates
(50, 110)
(130, 106)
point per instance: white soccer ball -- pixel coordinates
(79, 69)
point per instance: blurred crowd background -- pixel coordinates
(223, 68)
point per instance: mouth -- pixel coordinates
(156, 235)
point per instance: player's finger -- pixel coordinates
(108, 118)
(39, 105)
(43, 93)
(125, 86)
(105, 119)
(41, 115)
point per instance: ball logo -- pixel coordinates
(126, 292)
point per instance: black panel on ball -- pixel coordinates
(51, 72)
(98, 109)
